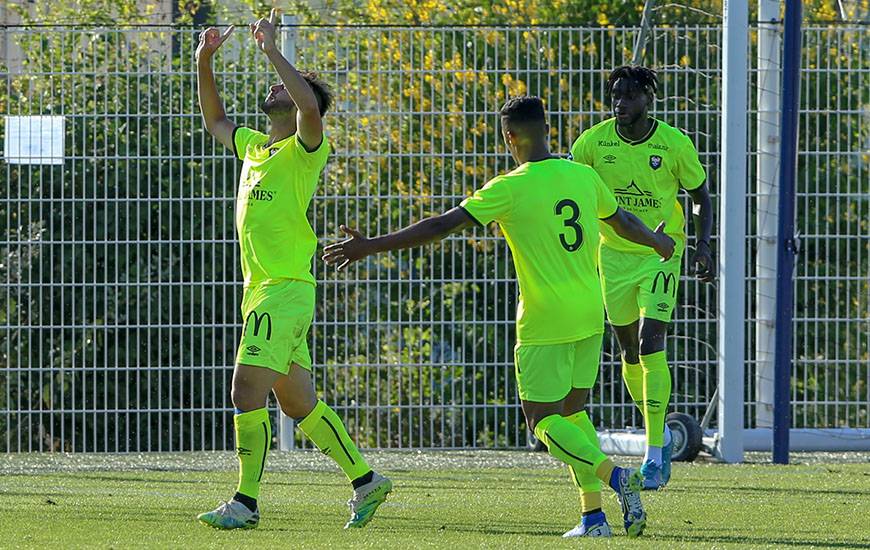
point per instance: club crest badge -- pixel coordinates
(655, 162)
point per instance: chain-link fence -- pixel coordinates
(119, 278)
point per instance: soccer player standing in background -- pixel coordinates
(645, 162)
(279, 175)
(548, 209)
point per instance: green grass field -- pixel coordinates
(446, 499)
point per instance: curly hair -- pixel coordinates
(321, 90)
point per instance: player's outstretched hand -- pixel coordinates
(702, 263)
(664, 244)
(210, 40)
(263, 31)
(348, 251)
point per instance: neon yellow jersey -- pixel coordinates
(548, 211)
(275, 189)
(644, 175)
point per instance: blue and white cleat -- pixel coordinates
(653, 480)
(630, 483)
(231, 515)
(366, 500)
(593, 529)
(667, 452)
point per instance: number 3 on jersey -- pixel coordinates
(576, 240)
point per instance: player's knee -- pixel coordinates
(298, 410)
(651, 344)
(532, 421)
(631, 354)
(244, 397)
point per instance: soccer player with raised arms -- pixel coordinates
(645, 162)
(280, 172)
(549, 210)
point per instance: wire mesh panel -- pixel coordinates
(120, 281)
(832, 298)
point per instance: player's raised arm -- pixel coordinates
(210, 104)
(628, 226)
(309, 125)
(423, 232)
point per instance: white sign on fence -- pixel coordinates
(33, 140)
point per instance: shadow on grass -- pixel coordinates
(421, 525)
(790, 491)
(760, 541)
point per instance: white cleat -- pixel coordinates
(231, 515)
(366, 500)
(599, 530)
(630, 484)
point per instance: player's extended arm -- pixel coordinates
(210, 104)
(629, 227)
(425, 231)
(309, 125)
(702, 215)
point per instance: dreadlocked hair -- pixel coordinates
(643, 78)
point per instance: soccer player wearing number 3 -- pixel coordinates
(280, 172)
(549, 210)
(645, 162)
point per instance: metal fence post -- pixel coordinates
(289, 33)
(768, 140)
(732, 213)
(786, 243)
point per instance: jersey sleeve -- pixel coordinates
(492, 202)
(312, 161)
(607, 205)
(580, 151)
(690, 172)
(242, 137)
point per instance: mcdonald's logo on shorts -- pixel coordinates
(258, 319)
(668, 281)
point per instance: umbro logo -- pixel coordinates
(609, 159)
(662, 306)
(253, 350)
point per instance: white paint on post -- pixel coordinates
(732, 216)
(769, 61)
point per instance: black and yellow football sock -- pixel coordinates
(253, 438)
(585, 479)
(657, 395)
(567, 442)
(326, 430)
(632, 375)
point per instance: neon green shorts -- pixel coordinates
(638, 285)
(277, 316)
(547, 373)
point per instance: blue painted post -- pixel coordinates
(786, 246)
